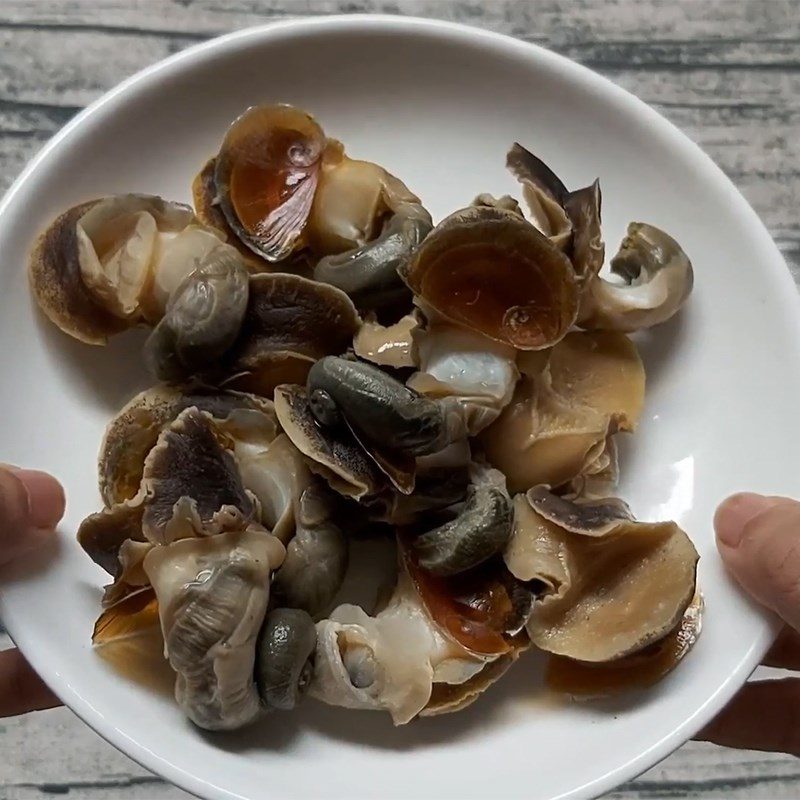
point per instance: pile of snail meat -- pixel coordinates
(331, 369)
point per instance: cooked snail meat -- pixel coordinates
(390, 661)
(504, 203)
(331, 451)
(658, 278)
(614, 585)
(316, 557)
(477, 372)
(560, 418)
(602, 370)
(133, 433)
(447, 698)
(189, 464)
(541, 437)
(368, 274)
(600, 475)
(109, 264)
(387, 346)
(284, 189)
(289, 323)
(435, 489)
(276, 473)
(570, 219)
(212, 597)
(203, 317)
(59, 288)
(481, 529)
(190, 486)
(284, 658)
(657, 275)
(379, 406)
(103, 533)
(544, 193)
(447, 461)
(639, 670)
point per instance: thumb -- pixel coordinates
(31, 503)
(759, 541)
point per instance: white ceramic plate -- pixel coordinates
(438, 105)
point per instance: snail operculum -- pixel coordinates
(490, 270)
(266, 174)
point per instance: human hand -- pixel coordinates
(759, 541)
(31, 504)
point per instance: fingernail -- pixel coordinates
(46, 499)
(734, 513)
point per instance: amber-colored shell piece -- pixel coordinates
(483, 610)
(492, 271)
(204, 197)
(133, 615)
(265, 176)
(57, 285)
(207, 208)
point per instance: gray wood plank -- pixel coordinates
(58, 754)
(727, 72)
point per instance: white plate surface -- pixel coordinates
(438, 105)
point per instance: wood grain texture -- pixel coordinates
(727, 72)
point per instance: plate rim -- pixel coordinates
(535, 53)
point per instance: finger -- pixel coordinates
(785, 653)
(31, 503)
(21, 689)
(46, 501)
(759, 541)
(763, 716)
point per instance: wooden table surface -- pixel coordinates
(727, 72)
